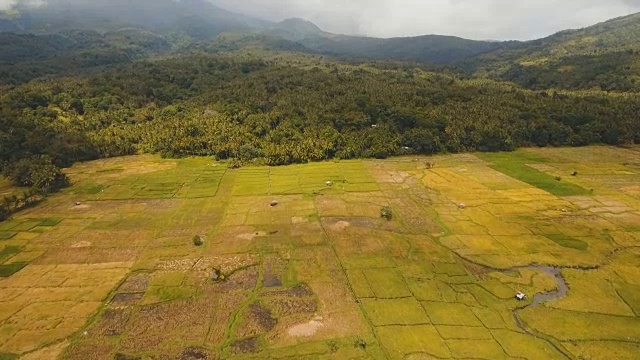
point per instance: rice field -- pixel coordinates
(297, 262)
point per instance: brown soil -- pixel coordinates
(245, 346)
(194, 353)
(135, 283)
(124, 300)
(306, 329)
(340, 225)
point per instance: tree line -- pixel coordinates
(283, 108)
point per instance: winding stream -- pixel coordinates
(540, 298)
(560, 292)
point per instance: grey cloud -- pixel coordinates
(476, 19)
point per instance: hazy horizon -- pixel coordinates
(472, 19)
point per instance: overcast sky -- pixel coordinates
(475, 19)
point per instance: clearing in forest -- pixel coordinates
(291, 267)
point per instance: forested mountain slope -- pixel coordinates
(186, 22)
(604, 56)
(24, 57)
(429, 48)
(198, 19)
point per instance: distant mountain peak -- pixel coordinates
(299, 26)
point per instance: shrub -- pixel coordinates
(197, 240)
(386, 213)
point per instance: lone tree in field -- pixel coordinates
(197, 240)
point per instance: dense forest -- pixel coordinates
(281, 108)
(261, 98)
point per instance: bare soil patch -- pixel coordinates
(340, 225)
(306, 329)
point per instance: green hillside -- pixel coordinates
(603, 56)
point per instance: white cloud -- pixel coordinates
(5, 4)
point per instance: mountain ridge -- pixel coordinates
(601, 56)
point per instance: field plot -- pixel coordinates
(297, 262)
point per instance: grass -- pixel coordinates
(395, 312)
(386, 283)
(442, 313)
(5, 235)
(569, 242)
(515, 165)
(9, 251)
(10, 269)
(436, 281)
(404, 340)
